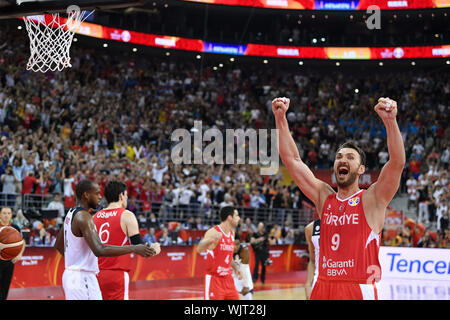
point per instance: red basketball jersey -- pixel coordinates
(107, 222)
(348, 246)
(218, 261)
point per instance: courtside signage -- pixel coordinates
(415, 263)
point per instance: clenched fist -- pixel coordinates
(280, 106)
(386, 108)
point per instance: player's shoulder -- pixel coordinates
(211, 231)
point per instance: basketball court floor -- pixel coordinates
(279, 286)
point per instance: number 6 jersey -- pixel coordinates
(348, 246)
(107, 222)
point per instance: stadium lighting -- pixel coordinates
(356, 90)
(290, 40)
(105, 45)
(447, 62)
(198, 56)
(232, 59)
(322, 39)
(380, 64)
(326, 16)
(134, 49)
(314, 40)
(75, 39)
(167, 53)
(413, 63)
(215, 68)
(19, 27)
(338, 64)
(300, 63)
(313, 16)
(265, 61)
(221, 65)
(166, 5)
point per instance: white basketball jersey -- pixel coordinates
(315, 239)
(77, 254)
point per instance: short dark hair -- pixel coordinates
(83, 186)
(353, 145)
(113, 189)
(226, 211)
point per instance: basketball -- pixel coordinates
(11, 242)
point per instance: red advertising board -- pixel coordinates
(44, 266)
(331, 4)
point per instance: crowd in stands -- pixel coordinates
(111, 116)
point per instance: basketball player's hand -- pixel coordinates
(144, 250)
(386, 108)
(156, 247)
(245, 290)
(280, 106)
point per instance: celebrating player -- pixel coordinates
(117, 226)
(219, 244)
(351, 219)
(80, 245)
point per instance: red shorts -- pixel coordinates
(341, 290)
(114, 284)
(220, 288)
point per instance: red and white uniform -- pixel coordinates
(113, 277)
(219, 283)
(348, 262)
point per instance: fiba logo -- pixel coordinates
(126, 36)
(354, 201)
(398, 53)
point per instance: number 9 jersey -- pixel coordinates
(348, 263)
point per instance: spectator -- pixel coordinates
(150, 237)
(132, 205)
(188, 224)
(153, 221)
(290, 237)
(29, 183)
(56, 204)
(199, 224)
(165, 239)
(9, 186)
(275, 235)
(413, 194)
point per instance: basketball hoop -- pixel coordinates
(50, 39)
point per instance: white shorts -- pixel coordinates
(239, 283)
(81, 285)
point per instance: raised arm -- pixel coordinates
(313, 188)
(381, 193)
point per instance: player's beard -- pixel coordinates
(352, 176)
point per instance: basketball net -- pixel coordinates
(50, 39)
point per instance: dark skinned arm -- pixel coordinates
(83, 225)
(59, 242)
